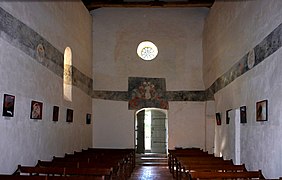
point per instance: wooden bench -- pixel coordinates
(226, 175)
(215, 167)
(12, 177)
(183, 162)
(106, 173)
(36, 171)
(92, 162)
(189, 152)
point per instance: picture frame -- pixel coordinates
(36, 110)
(218, 119)
(88, 118)
(227, 116)
(55, 113)
(69, 117)
(261, 110)
(243, 114)
(8, 105)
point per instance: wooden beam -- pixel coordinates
(91, 5)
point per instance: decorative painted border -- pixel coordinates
(269, 45)
(27, 40)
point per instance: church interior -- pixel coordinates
(150, 76)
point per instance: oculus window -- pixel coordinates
(147, 50)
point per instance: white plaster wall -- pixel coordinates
(22, 140)
(231, 30)
(209, 126)
(63, 23)
(260, 142)
(113, 124)
(176, 32)
(226, 137)
(186, 124)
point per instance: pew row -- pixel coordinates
(226, 175)
(193, 163)
(105, 173)
(21, 177)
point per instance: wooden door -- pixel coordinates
(140, 132)
(158, 132)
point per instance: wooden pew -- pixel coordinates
(93, 161)
(123, 160)
(226, 175)
(189, 152)
(126, 156)
(57, 164)
(119, 171)
(36, 171)
(214, 168)
(74, 178)
(62, 171)
(208, 162)
(12, 177)
(100, 172)
(115, 174)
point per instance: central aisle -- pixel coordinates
(151, 167)
(151, 173)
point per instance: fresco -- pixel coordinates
(146, 93)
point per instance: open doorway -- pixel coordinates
(151, 135)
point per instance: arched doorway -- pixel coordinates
(151, 131)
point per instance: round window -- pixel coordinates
(147, 50)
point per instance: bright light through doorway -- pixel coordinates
(148, 129)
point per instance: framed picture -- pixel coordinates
(88, 118)
(69, 115)
(55, 113)
(243, 114)
(218, 119)
(8, 105)
(36, 110)
(228, 116)
(261, 110)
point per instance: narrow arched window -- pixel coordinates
(68, 74)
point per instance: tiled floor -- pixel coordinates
(151, 173)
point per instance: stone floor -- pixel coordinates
(151, 173)
(151, 167)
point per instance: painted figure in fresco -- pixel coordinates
(147, 87)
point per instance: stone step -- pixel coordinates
(152, 164)
(151, 155)
(153, 159)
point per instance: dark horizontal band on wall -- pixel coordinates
(110, 95)
(171, 95)
(27, 40)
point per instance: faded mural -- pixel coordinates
(146, 93)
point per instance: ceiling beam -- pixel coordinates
(94, 4)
